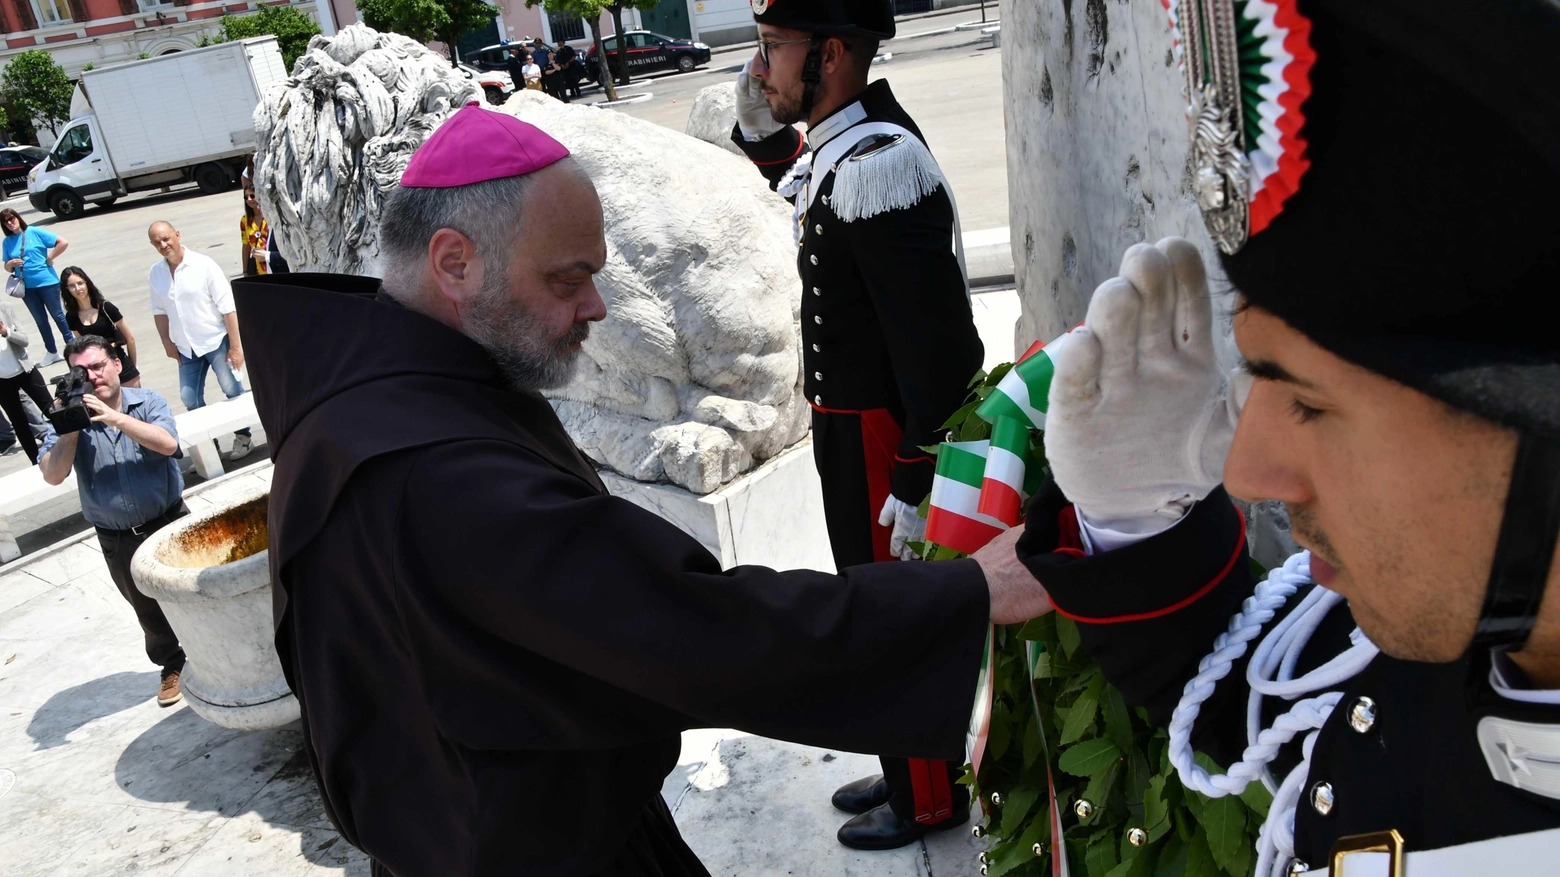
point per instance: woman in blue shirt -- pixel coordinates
(30, 254)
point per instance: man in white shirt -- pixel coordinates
(192, 305)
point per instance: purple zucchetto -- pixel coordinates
(477, 145)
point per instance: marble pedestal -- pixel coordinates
(772, 516)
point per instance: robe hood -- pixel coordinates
(343, 375)
(311, 337)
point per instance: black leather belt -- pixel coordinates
(151, 526)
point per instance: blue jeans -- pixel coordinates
(44, 302)
(192, 376)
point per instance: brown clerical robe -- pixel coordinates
(494, 657)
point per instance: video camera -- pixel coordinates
(71, 415)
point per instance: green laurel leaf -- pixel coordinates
(1118, 722)
(1199, 861)
(1089, 757)
(1224, 821)
(1258, 798)
(1016, 806)
(1080, 718)
(1101, 857)
(1067, 632)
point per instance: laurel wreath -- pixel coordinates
(1122, 808)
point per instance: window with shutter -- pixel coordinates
(24, 15)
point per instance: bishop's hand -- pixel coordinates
(753, 115)
(1140, 417)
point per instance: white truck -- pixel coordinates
(179, 118)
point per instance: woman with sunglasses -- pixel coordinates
(89, 313)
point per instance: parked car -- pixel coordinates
(15, 162)
(497, 85)
(496, 57)
(648, 52)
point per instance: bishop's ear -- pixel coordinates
(456, 266)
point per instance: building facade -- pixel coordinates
(101, 32)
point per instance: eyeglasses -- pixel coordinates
(94, 367)
(765, 45)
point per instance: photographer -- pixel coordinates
(128, 479)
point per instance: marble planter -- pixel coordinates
(210, 574)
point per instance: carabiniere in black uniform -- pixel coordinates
(888, 340)
(1456, 764)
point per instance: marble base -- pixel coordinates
(772, 516)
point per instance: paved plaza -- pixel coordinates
(96, 779)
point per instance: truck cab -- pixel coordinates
(78, 170)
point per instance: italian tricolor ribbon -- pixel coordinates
(1023, 394)
(953, 518)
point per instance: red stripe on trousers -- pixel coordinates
(879, 440)
(880, 437)
(929, 782)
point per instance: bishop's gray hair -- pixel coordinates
(488, 213)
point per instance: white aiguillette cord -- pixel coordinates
(1270, 674)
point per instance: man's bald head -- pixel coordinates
(165, 240)
(508, 262)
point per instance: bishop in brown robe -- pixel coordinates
(494, 657)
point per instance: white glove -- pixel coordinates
(1140, 419)
(753, 115)
(908, 527)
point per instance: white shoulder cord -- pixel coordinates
(1270, 673)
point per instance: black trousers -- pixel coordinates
(11, 390)
(854, 452)
(162, 644)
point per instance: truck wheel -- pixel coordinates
(65, 203)
(685, 64)
(212, 178)
(495, 95)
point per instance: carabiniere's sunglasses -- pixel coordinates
(765, 45)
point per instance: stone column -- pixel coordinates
(1097, 147)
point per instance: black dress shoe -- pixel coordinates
(881, 829)
(861, 795)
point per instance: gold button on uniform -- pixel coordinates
(818, 400)
(814, 259)
(817, 376)
(818, 228)
(818, 318)
(817, 349)
(817, 291)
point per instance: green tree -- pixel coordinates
(427, 20)
(5, 120)
(36, 87)
(291, 28)
(617, 27)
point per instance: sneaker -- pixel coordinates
(241, 446)
(51, 359)
(9, 448)
(168, 693)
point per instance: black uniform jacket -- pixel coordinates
(886, 318)
(1150, 612)
(494, 658)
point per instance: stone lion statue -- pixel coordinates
(694, 377)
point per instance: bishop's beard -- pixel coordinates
(515, 338)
